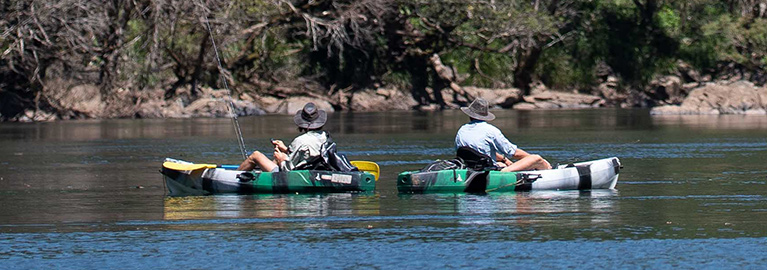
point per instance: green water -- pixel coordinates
(692, 194)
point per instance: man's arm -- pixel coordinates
(519, 154)
(501, 158)
(503, 146)
(279, 145)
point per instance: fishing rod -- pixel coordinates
(232, 110)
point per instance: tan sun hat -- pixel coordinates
(478, 109)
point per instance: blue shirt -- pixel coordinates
(485, 138)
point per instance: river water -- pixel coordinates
(88, 194)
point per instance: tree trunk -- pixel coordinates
(198, 67)
(419, 78)
(523, 74)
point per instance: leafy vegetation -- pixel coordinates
(326, 46)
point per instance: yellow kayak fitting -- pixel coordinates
(187, 167)
(367, 166)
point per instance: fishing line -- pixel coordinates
(232, 111)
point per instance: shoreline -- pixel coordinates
(85, 102)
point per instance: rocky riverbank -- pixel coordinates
(669, 95)
(85, 102)
(741, 97)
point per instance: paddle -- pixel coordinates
(186, 167)
(367, 166)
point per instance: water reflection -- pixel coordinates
(734, 122)
(446, 122)
(593, 207)
(270, 206)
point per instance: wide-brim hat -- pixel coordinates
(478, 109)
(310, 117)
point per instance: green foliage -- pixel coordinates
(755, 39)
(360, 43)
(635, 47)
(483, 69)
(559, 70)
(669, 21)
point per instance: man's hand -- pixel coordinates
(279, 157)
(279, 146)
(502, 160)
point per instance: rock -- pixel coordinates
(213, 93)
(382, 99)
(121, 103)
(293, 104)
(84, 99)
(269, 103)
(688, 72)
(560, 100)
(741, 97)
(610, 92)
(151, 109)
(689, 86)
(36, 116)
(214, 107)
(667, 90)
(756, 112)
(524, 106)
(504, 97)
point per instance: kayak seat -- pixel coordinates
(475, 160)
(329, 160)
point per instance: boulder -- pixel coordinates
(610, 92)
(84, 99)
(504, 97)
(216, 107)
(35, 116)
(741, 97)
(667, 90)
(381, 99)
(524, 106)
(293, 104)
(546, 99)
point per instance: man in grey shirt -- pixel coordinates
(304, 148)
(480, 135)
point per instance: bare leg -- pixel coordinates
(531, 162)
(257, 159)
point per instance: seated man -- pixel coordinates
(304, 149)
(488, 140)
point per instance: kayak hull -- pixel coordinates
(597, 174)
(208, 181)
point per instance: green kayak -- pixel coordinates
(597, 174)
(183, 179)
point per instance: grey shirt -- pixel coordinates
(305, 148)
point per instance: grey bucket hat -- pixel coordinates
(310, 117)
(478, 110)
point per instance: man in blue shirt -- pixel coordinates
(480, 135)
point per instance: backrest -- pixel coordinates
(337, 161)
(473, 159)
(330, 160)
